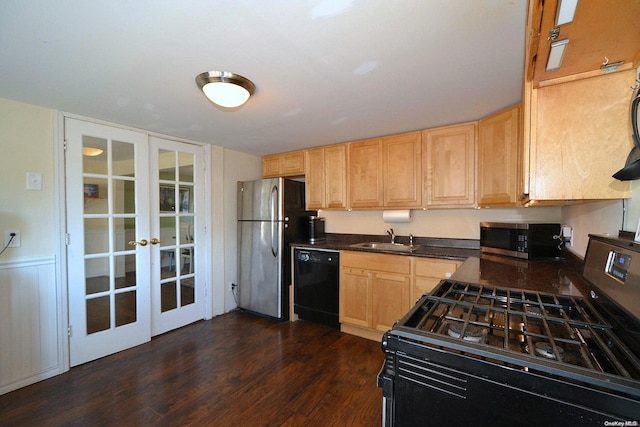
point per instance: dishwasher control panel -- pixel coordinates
(317, 256)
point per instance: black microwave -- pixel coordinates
(521, 240)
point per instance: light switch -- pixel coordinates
(34, 181)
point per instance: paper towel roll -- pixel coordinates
(396, 216)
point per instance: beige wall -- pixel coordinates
(26, 143)
(602, 218)
(588, 218)
(454, 223)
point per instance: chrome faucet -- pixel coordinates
(392, 235)
(410, 239)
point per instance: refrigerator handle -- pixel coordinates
(273, 206)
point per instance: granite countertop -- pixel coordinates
(562, 276)
(458, 249)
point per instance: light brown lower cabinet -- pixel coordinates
(429, 271)
(376, 290)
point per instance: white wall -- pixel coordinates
(453, 223)
(237, 167)
(30, 326)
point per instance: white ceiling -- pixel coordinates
(326, 71)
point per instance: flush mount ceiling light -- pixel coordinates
(91, 152)
(225, 89)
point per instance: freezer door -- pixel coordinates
(260, 200)
(259, 273)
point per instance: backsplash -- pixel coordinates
(443, 223)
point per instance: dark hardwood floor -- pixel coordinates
(234, 370)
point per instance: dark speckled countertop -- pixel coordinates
(561, 276)
(458, 249)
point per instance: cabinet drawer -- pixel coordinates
(441, 269)
(378, 262)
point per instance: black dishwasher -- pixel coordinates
(316, 276)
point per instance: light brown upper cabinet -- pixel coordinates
(386, 172)
(315, 193)
(365, 174)
(500, 159)
(284, 164)
(402, 170)
(326, 177)
(602, 32)
(579, 136)
(335, 168)
(450, 166)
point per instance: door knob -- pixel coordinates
(155, 241)
(142, 242)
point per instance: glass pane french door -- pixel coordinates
(177, 203)
(108, 233)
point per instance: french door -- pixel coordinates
(177, 196)
(133, 234)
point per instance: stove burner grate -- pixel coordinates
(559, 328)
(545, 350)
(471, 333)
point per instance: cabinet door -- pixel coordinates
(271, 166)
(499, 158)
(292, 163)
(391, 299)
(450, 166)
(355, 297)
(582, 137)
(365, 174)
(402, 170)
(429, 272)
(284, 164)
(601, 30)
(315, 179)
(335, 174)
(424, 285)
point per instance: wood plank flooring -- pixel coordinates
(234, 370)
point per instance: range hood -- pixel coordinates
(631, 169)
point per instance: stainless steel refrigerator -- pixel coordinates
(271, 215)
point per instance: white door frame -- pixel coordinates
(61, 231)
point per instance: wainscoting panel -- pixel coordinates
(28, 323)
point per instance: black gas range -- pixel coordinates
(471, 354)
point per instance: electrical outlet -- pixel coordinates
(567, 234)
(232, 286)
(15, 243)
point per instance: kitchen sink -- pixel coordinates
(380, 246)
